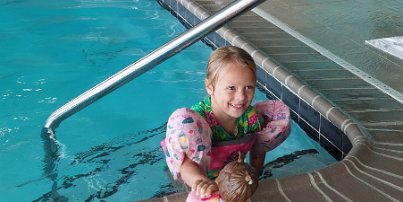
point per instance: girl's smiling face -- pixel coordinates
(233, 91)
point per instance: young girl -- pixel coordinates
(201, 140)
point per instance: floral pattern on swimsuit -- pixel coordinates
(250, 121)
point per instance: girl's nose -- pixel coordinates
(240, 95)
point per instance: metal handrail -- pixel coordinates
(149, 61)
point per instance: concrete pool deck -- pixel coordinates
(359, 122)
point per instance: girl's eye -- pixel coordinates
(250, 87)
(231, 87)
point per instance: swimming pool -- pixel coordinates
(55, 51)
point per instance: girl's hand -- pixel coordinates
(204, 188)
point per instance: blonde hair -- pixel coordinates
(226, 55)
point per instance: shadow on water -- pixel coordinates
(100, 172)
(281, 162)
(100, 160)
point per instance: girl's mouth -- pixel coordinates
(238, 106)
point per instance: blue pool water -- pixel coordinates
(52, 52)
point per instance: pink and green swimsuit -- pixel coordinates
(195, 133)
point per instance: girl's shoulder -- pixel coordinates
(251, 120)
(251, 113)
(202, 107)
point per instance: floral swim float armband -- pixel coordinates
(277, 124)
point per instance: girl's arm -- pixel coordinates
(195, 178)
(257, 158)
